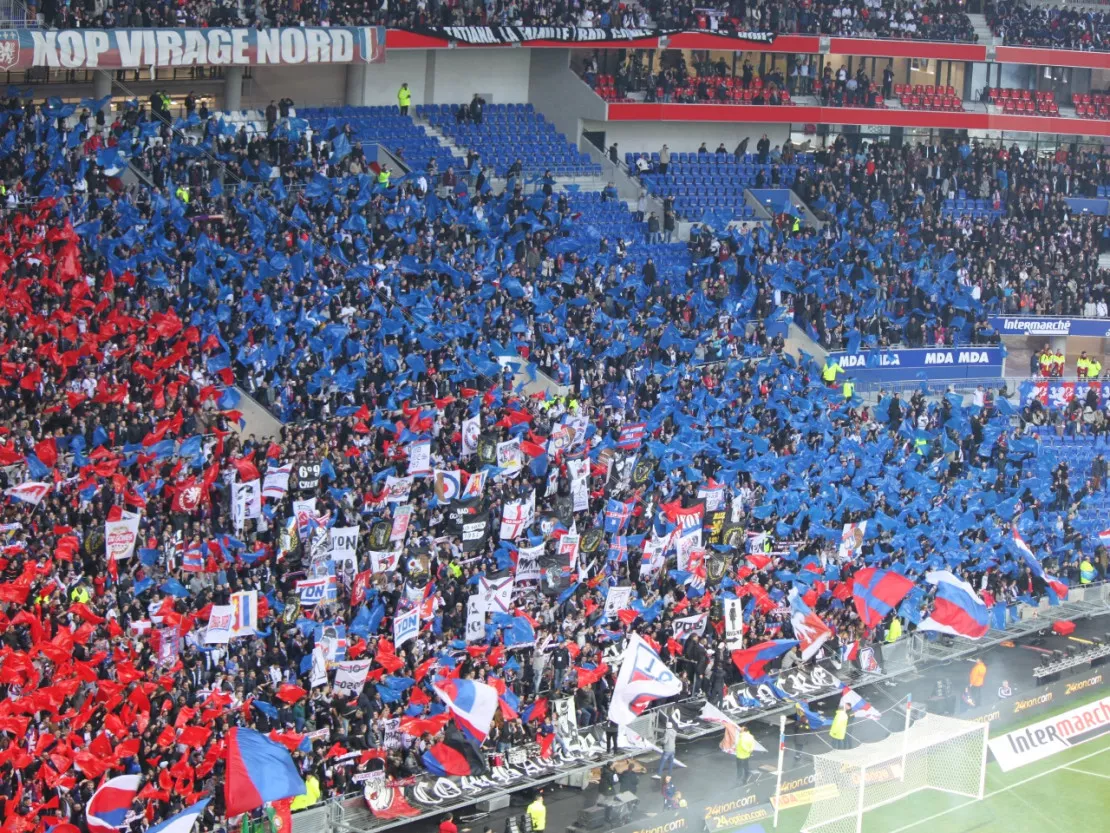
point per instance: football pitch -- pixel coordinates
(1069, 791)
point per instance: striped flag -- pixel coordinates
(632, 436)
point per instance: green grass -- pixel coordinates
(1068, 792)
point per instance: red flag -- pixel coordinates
(290, 694)
(47, 451)
(247, 470)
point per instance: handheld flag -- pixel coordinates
(752, 661)
(473, 704)
(877, 592)
(110, 804)
(183, 822)
(643, 677)
(258, 770)
(957, 610)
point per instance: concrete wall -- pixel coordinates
(434, 77)
(308, 87)
(500, 75)
(559, 94)
(636, 137)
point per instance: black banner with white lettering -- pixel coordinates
(499, 35)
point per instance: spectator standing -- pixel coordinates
(667, 761)
(664, 159)
(763, 148)
(477, 107)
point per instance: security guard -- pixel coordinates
(920, 444)
(182, 193)
(309, 797)
(1082, 365)
(1087, 572)
(383, 176)
(829, 371)
(537, 813)
(1094, 368)
(80, 593)
(801, 729)
(848, 388)
(976, 679)
(745, 745)
(894, 632)
(404, 98)
(839, 729)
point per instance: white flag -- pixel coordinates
(617, 600)
(690, 625)
(219, 626)
(495, 594)
(405, 627)
(247, 503)
(318, 676)
(471, 431)
(579, 472)
(120, 536)
(643, 677)
(350, 676)
(508, 456)
(276, 482)
(517, 516)
(475, 619)
(420, 457)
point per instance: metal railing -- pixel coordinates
(349, 813)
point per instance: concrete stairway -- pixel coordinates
(979, 24)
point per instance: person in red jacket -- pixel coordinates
(448, 825)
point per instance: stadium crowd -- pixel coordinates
(370, 313)
(1016, 21)
(1019, 23)
(922, 274)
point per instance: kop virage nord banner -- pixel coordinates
(497, 35)
(223, 46)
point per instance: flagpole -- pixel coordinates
(782, 758)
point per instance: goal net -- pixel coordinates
(933, 753)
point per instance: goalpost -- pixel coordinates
(933, 752)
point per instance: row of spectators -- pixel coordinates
(371, 313)
(924, 276)
(1016, 21)
(1069, 26)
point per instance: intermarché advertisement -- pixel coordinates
(219, 46)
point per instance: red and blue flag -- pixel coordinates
(877, 592)
(632, 436)
(454, 755)
(258, 770)
(752, 661)
(111, 803)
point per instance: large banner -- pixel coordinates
(1046, 325)
(144, 48)
(1058, 394)
(912, 364)
(525, 35)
